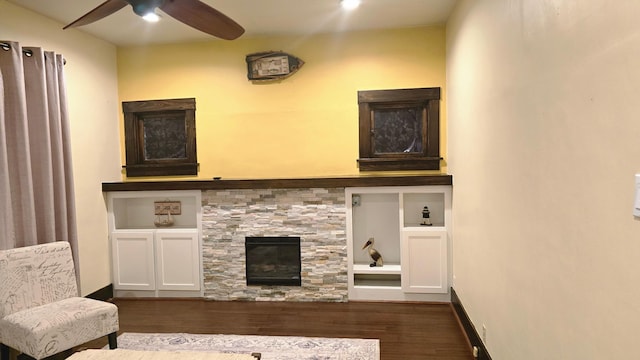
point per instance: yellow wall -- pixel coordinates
(302, 126)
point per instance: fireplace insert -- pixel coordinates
(273, 260)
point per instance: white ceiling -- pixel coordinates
(258, 17)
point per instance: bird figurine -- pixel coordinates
(375, 255)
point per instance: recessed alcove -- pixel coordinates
(313, 209)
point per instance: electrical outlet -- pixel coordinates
(484, 334)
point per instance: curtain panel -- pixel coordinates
(36, 179)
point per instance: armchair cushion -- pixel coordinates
(51, 328)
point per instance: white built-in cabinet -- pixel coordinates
(150, 261)
(416, 257)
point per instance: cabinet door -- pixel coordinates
(424, 261)
(177, 260)
(133, 262)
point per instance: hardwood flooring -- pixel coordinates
(406, 331)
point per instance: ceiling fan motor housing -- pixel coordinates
(144, 7)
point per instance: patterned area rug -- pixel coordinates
(271, 347)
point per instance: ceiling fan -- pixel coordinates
(194, 13)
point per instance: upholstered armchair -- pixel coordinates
(41, 313)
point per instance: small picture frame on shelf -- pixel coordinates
(167, 207)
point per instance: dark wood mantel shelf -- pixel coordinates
(328, 182)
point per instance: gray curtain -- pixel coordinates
(36, 179)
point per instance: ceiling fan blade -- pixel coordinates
(203, 17)
(103, 10)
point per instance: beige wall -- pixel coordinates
(544, 142)
(303, 126)
(93, 108)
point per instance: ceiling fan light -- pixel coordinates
(146, 9)
(151, 17)
(349, 4)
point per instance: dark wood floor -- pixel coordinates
(406, 330)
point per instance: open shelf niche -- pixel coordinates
(415, 255)
(376, 216)
(135, 209)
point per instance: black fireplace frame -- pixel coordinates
(293, 241)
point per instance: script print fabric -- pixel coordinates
(49, 329)
(36, 275)
(122, 354)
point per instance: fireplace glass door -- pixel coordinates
(273, 261)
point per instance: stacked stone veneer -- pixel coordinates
(317, 216)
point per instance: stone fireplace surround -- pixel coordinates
(312, 208)
(316, 215)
